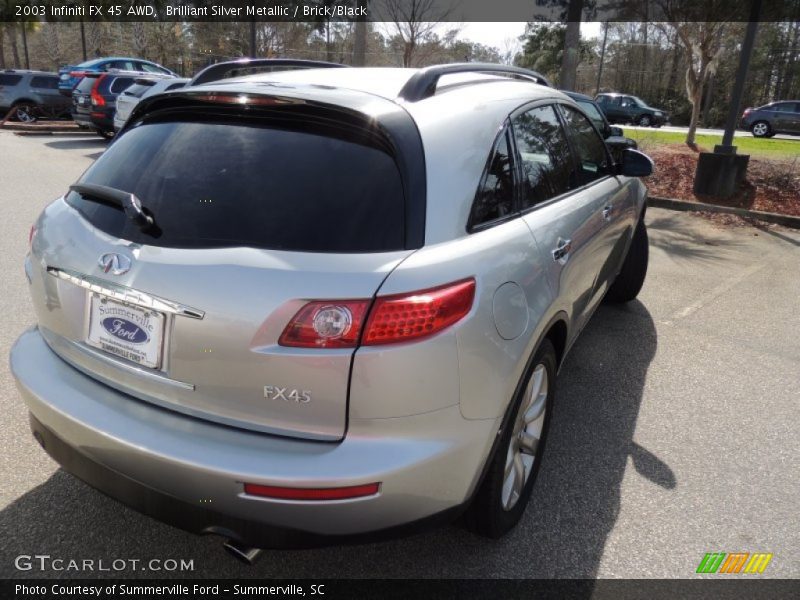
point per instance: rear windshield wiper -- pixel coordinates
(124, 200)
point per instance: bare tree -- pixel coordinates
(414, 21)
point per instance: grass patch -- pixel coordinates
(762, 147)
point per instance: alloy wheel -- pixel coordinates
(526, 433)
(23, 114)
(760, 129)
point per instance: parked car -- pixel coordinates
(141, 88)
(614, 136)
(624, 108)
(326, 305)
(31, 94)
(94, 100)
(776, 117)
(70, 75)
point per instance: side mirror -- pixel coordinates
(635, 164)
(615, 131)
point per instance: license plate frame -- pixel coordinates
(126, 331)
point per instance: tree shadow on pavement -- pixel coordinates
(563, 533)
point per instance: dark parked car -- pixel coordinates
(614, 137)
(31, 94)
(94, 100)
(777, 117)
(624, 108)
(70, 75)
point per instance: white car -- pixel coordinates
(142, 88)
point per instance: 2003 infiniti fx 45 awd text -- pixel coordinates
(332, 301)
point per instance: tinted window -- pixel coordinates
(495, 197)
(10, 79)
(593, 162)
(120, 83)
(86, 84)
(785, 107)
(137, 90)
(50, 83)
(590, 109)
(602, 100)
(229, 183)
(175, 86)
(544, 154)
(125, 65)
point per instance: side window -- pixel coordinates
(495, 198)
(592, 158)
(544, 155)
(602, 100)
(151, 68)
(10, 79)
(174, 86)
(50, 83)
(785, 107)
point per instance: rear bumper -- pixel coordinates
(190, 473)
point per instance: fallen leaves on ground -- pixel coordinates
(771, 185)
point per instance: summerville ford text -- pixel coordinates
(170, 591)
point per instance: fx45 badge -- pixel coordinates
(273, 392)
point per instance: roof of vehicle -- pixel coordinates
(95, 61)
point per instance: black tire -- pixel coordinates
(644, 121)
(486, 515)
(106, 135)
(761, 129)
(634, 270)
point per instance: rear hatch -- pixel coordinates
(82, 94)
(253, 217)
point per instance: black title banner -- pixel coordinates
(398, 10)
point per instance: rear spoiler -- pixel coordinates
(248, 66)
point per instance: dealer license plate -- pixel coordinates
(130, 332)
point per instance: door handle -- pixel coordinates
(561, 251)
(607, 212)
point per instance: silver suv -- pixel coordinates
(31, 94)
(326, 304)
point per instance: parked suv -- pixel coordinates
(624, 108)
(71, 75)
(776, 117)
(141, 88)
(31, 94)
(614, 136)
(94, 99)
(305, 307)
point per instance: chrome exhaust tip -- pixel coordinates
(244, 554)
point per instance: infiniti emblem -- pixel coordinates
(115, 263)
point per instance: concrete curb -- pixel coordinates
(685, 205)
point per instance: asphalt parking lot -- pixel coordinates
(676, 430)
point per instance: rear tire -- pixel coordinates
(106, 135)
(501, 500)
(644, 121)
(24, 113)
(761, 129)
(634, 270)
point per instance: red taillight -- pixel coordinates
(405, 317)
(288, 493)
(396, 318)
(77, 73)
(97, 99)
(747, 111)
(30, 235)
(326, 324)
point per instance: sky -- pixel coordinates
(500, 34)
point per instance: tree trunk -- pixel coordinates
(2, 50)
(360, 44)
(14, 48)
(572, 42)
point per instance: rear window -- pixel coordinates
(85, 85)
(10, 79)
(225, 183)
(137, 90)
(120, 83)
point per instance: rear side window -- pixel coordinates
(592, 159)
(50, 83)
(175, 86)
(273, 185)
(152, 68)
(10, 79)
(545, 157)
(495, 197)
(590, 109)
(120, 83)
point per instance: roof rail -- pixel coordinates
(225, 70)
(423, 83)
